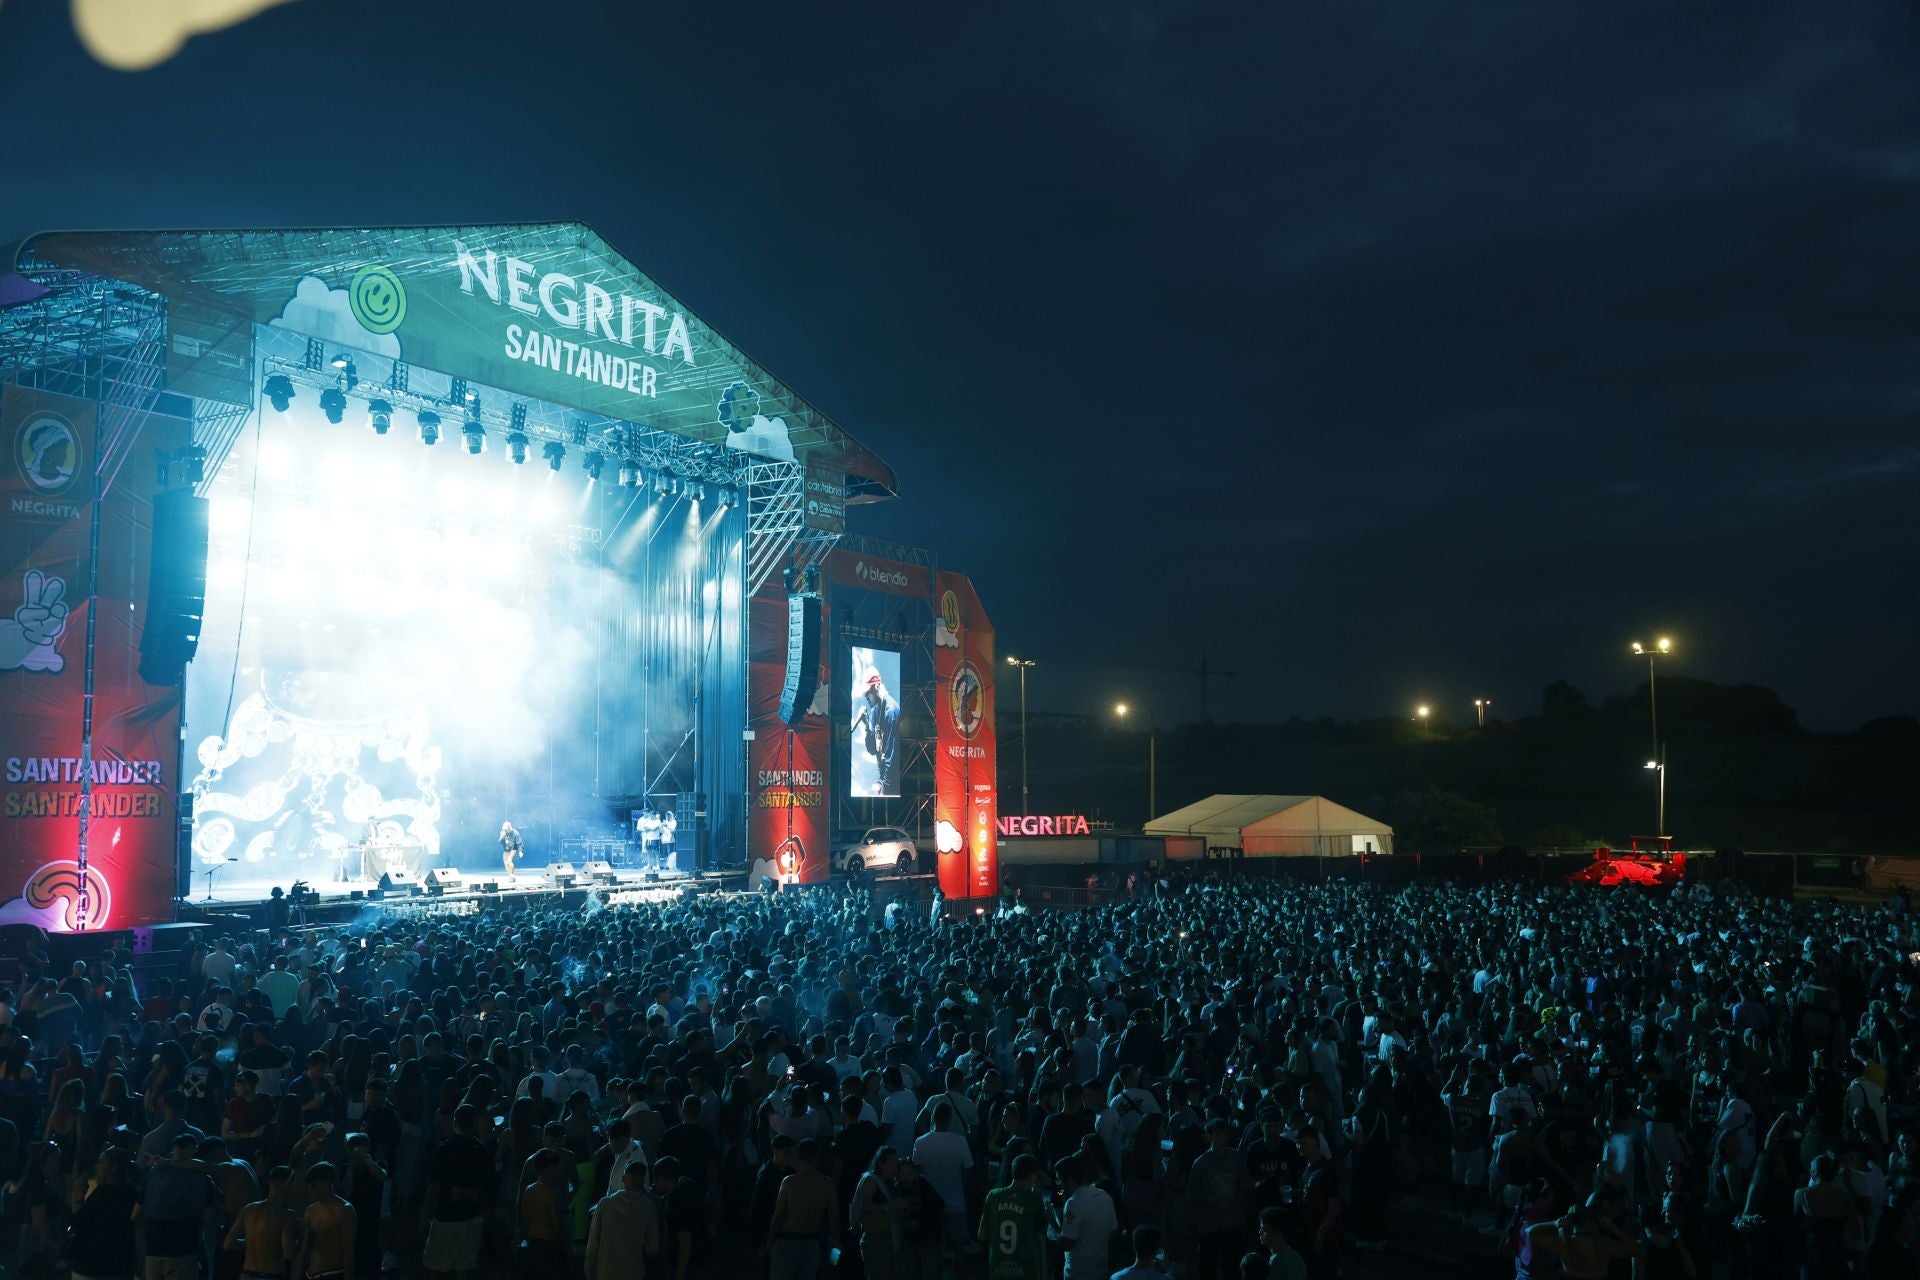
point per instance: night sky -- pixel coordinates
(1382, 352)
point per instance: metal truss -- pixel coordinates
(777, 532)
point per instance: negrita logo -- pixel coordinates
(875, 574)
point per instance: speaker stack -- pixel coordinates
(176, 586)
(803, 657)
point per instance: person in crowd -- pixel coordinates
(625, 1235)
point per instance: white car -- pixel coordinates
(882, 849)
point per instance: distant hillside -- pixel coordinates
(1741, 771)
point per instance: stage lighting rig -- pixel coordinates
(279, 392)
(380, 416)
(333, 403)
(343, 363)
(629, 474)
(473, 429)
(429, 426)
(592, 462)
(517, 447)
(555, 453)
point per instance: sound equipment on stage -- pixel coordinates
(400, 882)
(488, 886)
(599, 872)
(803, 657)
(561, 874)
(176, 586)
(441, 879)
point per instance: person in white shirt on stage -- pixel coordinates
(511, 846)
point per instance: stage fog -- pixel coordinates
(407, 644)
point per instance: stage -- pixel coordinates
(340, 901)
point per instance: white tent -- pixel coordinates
(1271, 826)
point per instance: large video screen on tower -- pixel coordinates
(874, 724)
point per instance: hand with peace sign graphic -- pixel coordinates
(27, 639)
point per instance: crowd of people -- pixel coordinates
(1214, 1079)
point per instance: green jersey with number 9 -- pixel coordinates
(1015, 1225)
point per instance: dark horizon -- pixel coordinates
(1380, 358)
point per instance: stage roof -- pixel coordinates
(540, 311)
(1233, 815)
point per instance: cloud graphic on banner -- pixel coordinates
(942, 637)
(946, 837)
(132, 35)
(327, 314)
(750, 431)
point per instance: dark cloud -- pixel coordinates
(1378, 351)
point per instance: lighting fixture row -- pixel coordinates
(279, 391)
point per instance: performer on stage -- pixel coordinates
(648, 827)
(510, 846)
(668, 825)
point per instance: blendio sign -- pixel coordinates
(627, 321)
(1032, 824)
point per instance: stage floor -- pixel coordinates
(241, 891)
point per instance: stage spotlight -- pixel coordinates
(555, 453)
(699, 493)
(344, 363)
(193, 463)
(629, 474)
(475, 435)
(659, 486)
(334, 404)
(379, 416)
(592, 463)
(517, 446)
(279, 391)
(429, 426)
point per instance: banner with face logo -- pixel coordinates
(46, 494)
(788, 828)
(966, 802)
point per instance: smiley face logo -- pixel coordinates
(950, 612)
(378, 299)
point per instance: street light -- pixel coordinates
(1660, 765)
(1420, 716)
(1122, 710)
(1660, 648)
(1480, 706)
(1023, 664)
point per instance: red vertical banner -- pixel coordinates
(788, 826)
(46, 494)
(966, 804)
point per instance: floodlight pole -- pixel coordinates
(1023, 663)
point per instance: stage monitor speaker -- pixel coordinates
(561, 873)
(598, 871)
(176, 586)
(400, 882)
(803, 657)
(441, 879)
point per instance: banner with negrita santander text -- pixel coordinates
(46, 497)
(789, 828)
(966, 802)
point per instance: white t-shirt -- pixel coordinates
(944, 1159)
(897, 1115)
(1087, 1222)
